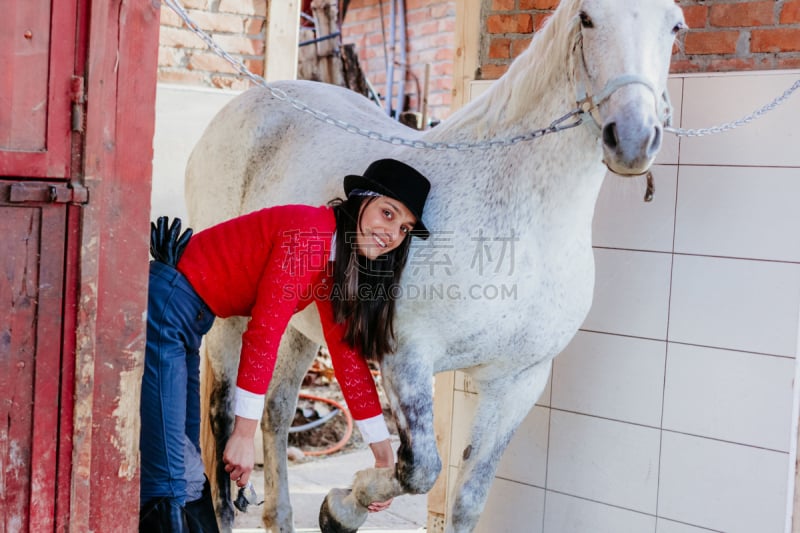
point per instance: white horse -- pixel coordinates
(529, 204)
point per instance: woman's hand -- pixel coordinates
(239, 454)
(384, 458)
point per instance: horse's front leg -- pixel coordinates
(294, 357)
(503, 402)
(408, 383)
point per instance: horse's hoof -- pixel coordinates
(340, 513)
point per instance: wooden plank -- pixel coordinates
(283, 23)
(32, 238)
(467, 41)
(38, 55)
(444, 387)
(19, 237)
(47, 368)
(67, 373)
(25, 56)
(120, 116)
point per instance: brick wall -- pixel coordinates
(237, 25)
(431, 40)
(724, 35)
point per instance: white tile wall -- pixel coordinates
(722, 486)
(668, 526)
(620, 467)
(630, 222)
(755, 212)
(735, 303)
(671, 410)
(771, 140)
(506, 500)
(631, 294)
(567, 514)
(745, 398)
(587, 377)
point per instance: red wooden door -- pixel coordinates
(31, 288)
(37, 54)
(73, 273)
(38, 86)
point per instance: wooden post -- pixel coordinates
(464, 68)
(426, 81)
(121, 69)
(328, 60)
(467, 40)
(283, 22)
(444, 387)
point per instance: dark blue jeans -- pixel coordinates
(177, 319)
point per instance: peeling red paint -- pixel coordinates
(69, 426)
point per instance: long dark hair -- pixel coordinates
(364, 290)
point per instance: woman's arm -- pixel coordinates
(358, 387)
(275, 302)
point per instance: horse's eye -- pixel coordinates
(679, 27)
(586, 20)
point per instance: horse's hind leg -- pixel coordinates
(294, 357)
(221, 347)
(502, 405)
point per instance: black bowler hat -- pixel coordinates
(397, 180)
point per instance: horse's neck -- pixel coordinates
(557, 176)
(507, 109)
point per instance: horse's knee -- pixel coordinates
(280, 408)
(417, 472)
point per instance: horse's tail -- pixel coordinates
(216, 401)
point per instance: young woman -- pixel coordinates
(268, 265)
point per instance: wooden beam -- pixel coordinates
(114, 242)
(280, 55)
(467, 42)
(444, 388)
(466, 63)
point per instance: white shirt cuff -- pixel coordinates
(373, 429)
(248, 404)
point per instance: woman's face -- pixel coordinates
(383, 223)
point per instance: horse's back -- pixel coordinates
(260, 150)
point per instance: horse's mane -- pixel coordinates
(532, 74)
(546, 57)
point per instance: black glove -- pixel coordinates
(166, 242)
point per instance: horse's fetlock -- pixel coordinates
(418, 477)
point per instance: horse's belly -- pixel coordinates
(535, 325)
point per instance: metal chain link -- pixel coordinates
(579, 115)
(559, 124)
(741, 122)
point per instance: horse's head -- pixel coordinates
(623, 55)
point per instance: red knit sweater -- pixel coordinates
(268, 265)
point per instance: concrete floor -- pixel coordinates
(309, 483)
